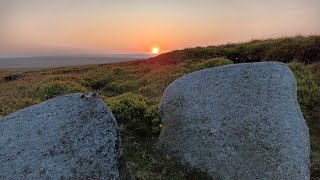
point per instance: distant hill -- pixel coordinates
(62, 61)
(287, 49)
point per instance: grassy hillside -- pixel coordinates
(132, 91)
(285, 49)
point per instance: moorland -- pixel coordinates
(132, 91)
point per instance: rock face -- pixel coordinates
(69, 137)
(238, 121)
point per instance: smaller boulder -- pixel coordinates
(68, 137)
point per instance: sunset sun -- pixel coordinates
(155, 50)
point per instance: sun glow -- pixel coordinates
(155, 50)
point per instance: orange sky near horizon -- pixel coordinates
(136, 26)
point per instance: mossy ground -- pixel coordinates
(132, 91)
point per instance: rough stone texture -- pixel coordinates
(238, 121)
(68, 137)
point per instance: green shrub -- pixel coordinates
(315, 72)
(129, 110)
(119, 72)
(154, 83)
(152, 114)
(309, 99)
(12, 105)
(308, 93)
(52, 89)
(211, 63)
(97, 79)
(101, 78)
(63, 78)
(120, 86)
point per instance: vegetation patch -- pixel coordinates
(11, 77)
(215, 62)
(55, 88)
(308, 79)
(132, 112)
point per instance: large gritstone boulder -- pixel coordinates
(68, 137)
(238, 121)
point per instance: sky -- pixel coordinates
(59, 27)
